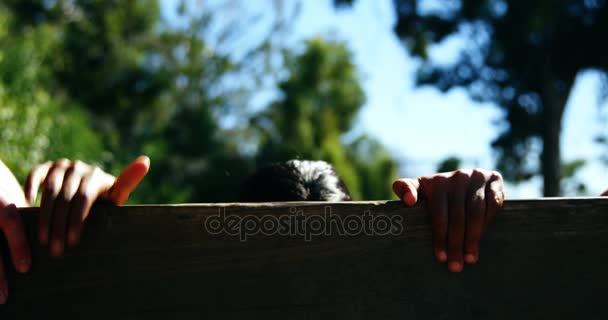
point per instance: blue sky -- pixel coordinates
(420, 125)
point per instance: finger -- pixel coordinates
(495, 197)
(52, 186)
(34, 179)
(407, 190)
(457, 222)
(128, 180)
(61, 211)
(12, 227)
(3, 283)
(92, 185)
(438, 210)
(476, 207)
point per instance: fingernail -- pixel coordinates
(442, 256)
(24, 265)
(455, 266)
(470, 258)
(398, 188)
(43, 238)
(56, 249)
(409, 199)
(72, 240)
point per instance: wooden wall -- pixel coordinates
(541, 259)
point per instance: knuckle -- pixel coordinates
(478, 174)
(75, 166)
(63, 163)
(77, 163)
(461, 177)
(42, 166)
(496, 175)
(96, 171)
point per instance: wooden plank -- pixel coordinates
(541, 259)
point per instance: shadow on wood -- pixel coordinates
(541, 259)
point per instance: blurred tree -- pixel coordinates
(603, 141)
(374, 166)
(34, 124)
(107, 80)
(449, 164)
(150, 88)
(320, 98)
(570, 182)
(522, 55)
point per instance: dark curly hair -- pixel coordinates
(295, 180)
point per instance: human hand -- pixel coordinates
(461, 204)
(69, 190)
(11, 225)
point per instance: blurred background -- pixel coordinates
(210, 90)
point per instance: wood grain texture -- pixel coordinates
(541, 259)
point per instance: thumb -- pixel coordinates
(407, 190)
(128, 180)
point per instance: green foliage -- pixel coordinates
(320, 99)
(522, 55)
(148, 88)
(35, 125)
(570, 182)
(449, 164)
(107, 80)
(374, 166)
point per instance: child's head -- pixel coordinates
(295, 180)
